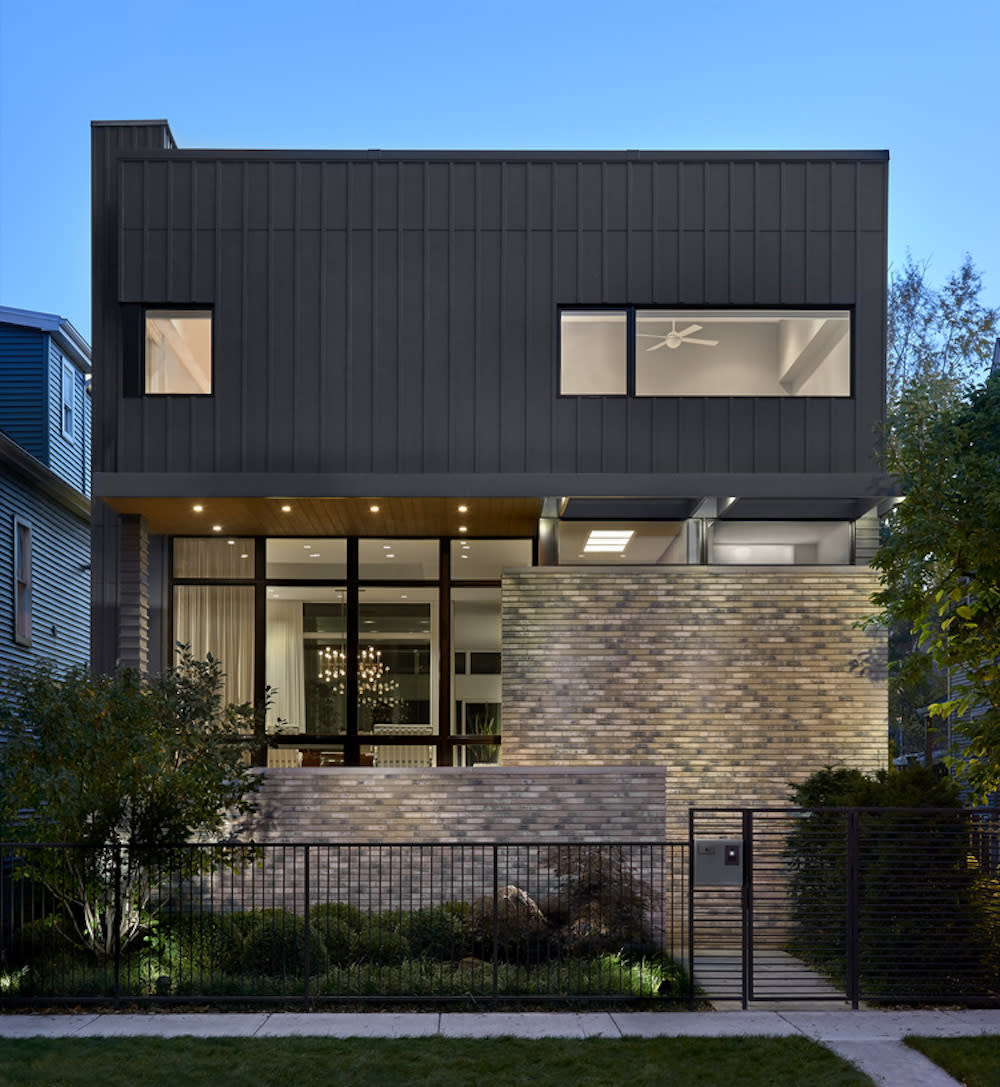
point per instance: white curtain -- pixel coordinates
(285, 665)
(218, 619)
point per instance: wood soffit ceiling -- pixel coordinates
(336, 516)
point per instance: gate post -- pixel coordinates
(690, 898)
(746, 893)
(853, 908)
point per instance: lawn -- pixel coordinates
(443, 1062)
(972, 1061)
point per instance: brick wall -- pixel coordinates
(454, 804)
(735, 680)
(356, 808)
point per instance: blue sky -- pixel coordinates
(918, 78)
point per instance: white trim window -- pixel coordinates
(22, 582)
(68, 401)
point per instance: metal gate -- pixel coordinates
(842, 905)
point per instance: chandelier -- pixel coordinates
(375, 686)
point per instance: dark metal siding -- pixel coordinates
(107, 142)
(385, 314)
(60, 557)
(22, 403)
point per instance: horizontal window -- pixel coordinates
(780, 543)
(178, 352)
(663, 352)
(472, 560)
(229, 557)
(307, 558)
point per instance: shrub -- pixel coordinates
(439, 932)
(206, 942)
(380, 940)
(926, 913)
(274, 944)
(327, 912)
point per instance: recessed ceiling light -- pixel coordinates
(286, 509)
(463, 556)
(244, 556)
(216, 528)
(463, 509)
(390, 555)
(402, 596)
(386, 547)
(198, 509)
(315, 555)
(374, 509)
(462, 528)
(307, 547)
(232, 543)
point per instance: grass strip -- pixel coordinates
(972, 1061)
(451, 1062)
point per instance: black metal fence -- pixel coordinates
(317, 923)
(861, 904)
(843, 905)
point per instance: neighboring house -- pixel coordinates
(564, 460)
(44, 491)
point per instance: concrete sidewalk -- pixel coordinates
(872, 1040)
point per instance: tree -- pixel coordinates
(124, 767)
(944, 334)
(940, 556)
(939, 341)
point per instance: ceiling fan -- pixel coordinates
(674, 339)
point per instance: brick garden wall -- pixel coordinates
(379, 821)
(735, 680)
(455, 804)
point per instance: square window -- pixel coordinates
(178, 352)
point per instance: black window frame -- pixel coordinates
(351, 740)
(632, 308)
(134, 349)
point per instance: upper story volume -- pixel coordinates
(500, 323)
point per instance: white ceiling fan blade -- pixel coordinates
(653, 335)
(657, 346)
(689, 330)
(704, 343)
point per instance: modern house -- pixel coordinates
(44, 491)
(562, 461)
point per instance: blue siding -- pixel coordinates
(60, 554)
(68, 458)
(23, 415)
